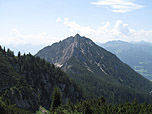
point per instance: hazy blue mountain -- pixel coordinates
(97, 71)
(137, 55)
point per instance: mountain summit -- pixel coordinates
(97, 71)
(63, 51)
(77, 36)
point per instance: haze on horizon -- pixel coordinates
(29, 25)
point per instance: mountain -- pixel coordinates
(97, 71)
(137, 55)
(28, 81)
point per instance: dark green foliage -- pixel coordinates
(13, 86)
(97, 106)
(11, 109)
(117, 88)
(19, 54)
(56, 99)
(28, 81)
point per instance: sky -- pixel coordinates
(30, 25)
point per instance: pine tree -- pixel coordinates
(0, 48)
(19, 54)
(87, 109)
(56, 99)
(102, 100)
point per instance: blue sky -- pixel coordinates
(29, 25)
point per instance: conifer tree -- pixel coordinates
(19, 54)
(0, 48)
(56, 99)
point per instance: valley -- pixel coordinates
(137, 55)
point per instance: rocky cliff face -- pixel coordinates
(99, 72)
(61, 52)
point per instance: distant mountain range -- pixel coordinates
(137, 55)
(97, 71)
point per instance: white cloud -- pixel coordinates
(74, 27)
(120, 31)
(86, 30)
(17, 38)
(121, 28)
(58, 20)
(121, 6)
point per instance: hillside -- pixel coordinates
(28, 81)
(97, 71)
(136, 55)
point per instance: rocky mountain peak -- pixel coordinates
(63, 50)
(77, 36)
(89, 64)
